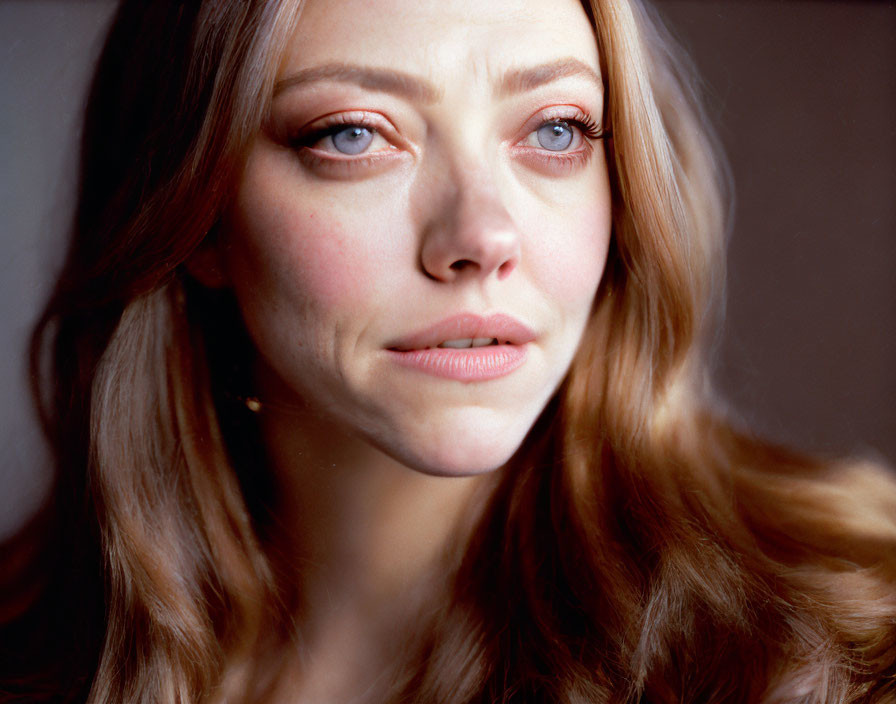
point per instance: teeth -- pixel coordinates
(458, 344)
(469, 342)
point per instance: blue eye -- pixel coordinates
(353, 139)
(554, 136)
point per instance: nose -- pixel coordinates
(471, 235)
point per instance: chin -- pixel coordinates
(459, 450)
(454, 465)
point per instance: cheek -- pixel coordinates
(569, 254)
(579, 272)
(567, 234)
(320, 260)
(287, 253)
(294, 248)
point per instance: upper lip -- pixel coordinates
(502, 327)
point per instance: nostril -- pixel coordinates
(505, 269)
(461, 264)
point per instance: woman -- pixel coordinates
(375, 373)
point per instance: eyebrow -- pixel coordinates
(380, 79)
(526, 79)
(411, 87)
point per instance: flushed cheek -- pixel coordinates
(569, 255)
(315, 259)
(329, 257)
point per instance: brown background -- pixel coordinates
(804, 93)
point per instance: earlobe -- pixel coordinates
(207, 266)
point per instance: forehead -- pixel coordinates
(436, 38)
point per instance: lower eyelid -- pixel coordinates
(328, 164)
(558, 163)
(336, 155)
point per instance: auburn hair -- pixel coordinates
(640, 546)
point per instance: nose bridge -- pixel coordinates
(470, 231)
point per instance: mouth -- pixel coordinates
(469, 342)
(466, 331)
(467, 348)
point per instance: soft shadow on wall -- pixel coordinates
(805, 96)
(47, 50)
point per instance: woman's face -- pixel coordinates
(429, 179)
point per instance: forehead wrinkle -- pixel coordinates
(379, 79)
(521, 80)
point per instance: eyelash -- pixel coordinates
(586, 124)
(333, 125)
(303, 143)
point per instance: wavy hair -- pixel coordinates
(639, 547)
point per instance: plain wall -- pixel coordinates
(48, 49)
(804, 93)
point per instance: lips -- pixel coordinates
(467, 330)
(466, 347)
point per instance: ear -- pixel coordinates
(207, 265)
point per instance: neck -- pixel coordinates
(366, 541)
(348, 511)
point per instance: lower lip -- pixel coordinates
(467, 364)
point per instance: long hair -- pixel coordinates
(638, 547)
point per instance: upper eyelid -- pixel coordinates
(565, 113)
(562, 112)
(362, 118)
(375, 118)
(328, 124)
